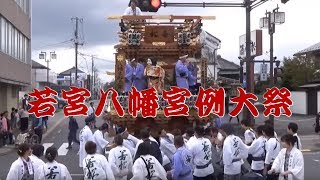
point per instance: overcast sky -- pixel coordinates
(52, 25)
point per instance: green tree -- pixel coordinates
(108, 85)
(298, 71)
(261, 86)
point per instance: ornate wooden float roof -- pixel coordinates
(160, 34)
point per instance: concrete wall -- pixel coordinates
(318, 101)
(12, 97)
(14, 70)
(299, 99)
(3, 97)
(9, 96)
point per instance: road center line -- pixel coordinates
(58, 121)
(62, 151)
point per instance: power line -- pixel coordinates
(86, 60)
(107, 60)
(55, 44)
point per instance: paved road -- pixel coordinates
(312, 166)
(57, 136)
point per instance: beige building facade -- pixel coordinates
(15, 51)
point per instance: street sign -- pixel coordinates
(256, 44)
(263, 72)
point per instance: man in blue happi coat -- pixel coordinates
(192, 76)
(138, 79)
(182, 159)
(182, 72)
(128, 78)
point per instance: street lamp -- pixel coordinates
(43, 55)
(269, 22)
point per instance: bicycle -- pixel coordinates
(32, 138)
(29, 137)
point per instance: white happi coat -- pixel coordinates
(100, 141)
(257, 149)
(167, 146)
(108, 138)
(85, 135)
(131, 143)
(36, 162)
(17, 170)
(200, 149)
(272, 150)
(97, 167)
(191, 140)
(53, 170)
(233, 149)
(140, 172)
(121, 161)
(129, 11)
(165, 159)
(296, 164)
(249, 136)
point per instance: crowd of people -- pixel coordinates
(9, 123)
(203, 152)
(18, 121)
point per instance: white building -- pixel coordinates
(211, 44)
(39, 76)
(65, 77)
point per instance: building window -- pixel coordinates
(2, 35)
(13, 42)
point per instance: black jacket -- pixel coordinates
(154, 149)
(73, 124)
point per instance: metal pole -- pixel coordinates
(249, 62)
(271, 27)
(70, 77)
(47, 73)
(76, 51)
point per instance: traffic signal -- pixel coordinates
(149, 5)
(284, 1)
(278, 75)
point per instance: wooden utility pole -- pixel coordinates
(76, 44)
